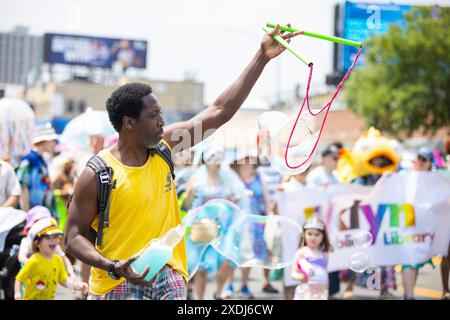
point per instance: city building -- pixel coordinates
(21, 56)
(69, 99)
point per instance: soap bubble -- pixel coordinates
(203, 225)
(245, 239)
(274, 129)
(362, 239)
(206, 222)
(248, 242)
(359, 262)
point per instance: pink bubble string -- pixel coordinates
(326, 108)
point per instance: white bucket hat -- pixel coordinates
(45, 134)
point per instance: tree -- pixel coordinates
(405, 82)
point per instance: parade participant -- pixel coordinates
(210, 181)
(44, 269)
(370, 158)
(424, 160)
(272, 179)
(410, 272)
(269, 175)
(33, 171)
(310, 262)
(26, 245)
(143, 204)
(325, 174)
(9, 186)
(62, 178)
(259, 204)
(295, 183)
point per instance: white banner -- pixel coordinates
(408, 216)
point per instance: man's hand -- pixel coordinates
(270, 47)
(123, 269)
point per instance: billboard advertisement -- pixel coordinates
(359, 21)
(94, 51)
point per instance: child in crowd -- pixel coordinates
(44, 269)
(26, 250)
(310, 262)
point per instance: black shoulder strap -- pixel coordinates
(166, 154)
(103, 174)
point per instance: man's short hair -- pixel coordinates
(126, 101)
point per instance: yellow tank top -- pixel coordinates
(143, 206)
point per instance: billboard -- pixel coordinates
(94, 51)
(359, 21)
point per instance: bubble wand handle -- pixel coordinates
(320, 36)
(285, 44)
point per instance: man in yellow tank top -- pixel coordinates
(144, 204)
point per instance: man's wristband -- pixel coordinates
(112, 270)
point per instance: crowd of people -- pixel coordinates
(41, 185)
(43, 181)
(87, 218)
(256, 193)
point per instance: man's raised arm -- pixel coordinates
(186, 134)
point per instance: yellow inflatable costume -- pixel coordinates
(359, 161)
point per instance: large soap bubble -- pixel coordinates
(240, 237)
(274, 131)
(247, 242)
(203, 225)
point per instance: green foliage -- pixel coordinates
(405, 82)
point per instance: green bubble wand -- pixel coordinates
(285, 44)
(319, 36)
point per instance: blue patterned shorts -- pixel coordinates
(168, 285)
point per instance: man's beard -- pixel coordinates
(153, 143)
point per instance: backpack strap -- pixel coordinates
(103, 174)
(166, 154)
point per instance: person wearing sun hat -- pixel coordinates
(410, 272)
(26, 245)
(245, 165)
(33, 171)
(33, 215)
(44, 269)
(212, 180)
(325, 174)
(424, 160)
